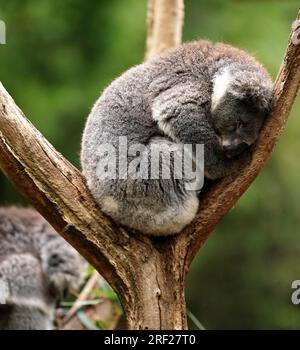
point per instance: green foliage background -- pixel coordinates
(61, 54)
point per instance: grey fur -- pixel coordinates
(168, 99)
(37, 268)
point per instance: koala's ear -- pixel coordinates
(255, 89)
(258, 98)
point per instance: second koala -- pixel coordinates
(197, 93)
(37, 269)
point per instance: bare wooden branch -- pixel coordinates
(147, 273)
(164, 25)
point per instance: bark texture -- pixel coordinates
(164, 25)
(147, 273)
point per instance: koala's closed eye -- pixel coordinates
(55, 260)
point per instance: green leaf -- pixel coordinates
(101, 324)
(108, 294)
(194, 319)
(85, 321)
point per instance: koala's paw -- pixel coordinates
(60, 284)
(4, 292)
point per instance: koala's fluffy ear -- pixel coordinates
(259, 98)
(254, 89)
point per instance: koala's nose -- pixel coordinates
(232, 149)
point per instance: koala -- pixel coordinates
(197, 93)
(37, 269)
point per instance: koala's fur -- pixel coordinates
(197, 93)
(37, 268)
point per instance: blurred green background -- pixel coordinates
(61, 54)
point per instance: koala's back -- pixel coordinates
(125, 106)
(22, 231)
(37, 268)
(29, 305)
(17, 317)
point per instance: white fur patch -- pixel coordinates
(191, 207)
(172, 220)
(110, 205)
(163, 125)
(221, 82)
(226, 142)
(166, 129)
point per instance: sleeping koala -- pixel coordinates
(37, 269)
(197, 93)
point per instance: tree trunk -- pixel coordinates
(157, 299)
(164, 25)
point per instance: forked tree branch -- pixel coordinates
(147, 273)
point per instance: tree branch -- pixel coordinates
(51, 183)
(131, 264)
(222, 196)
(164, 23)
